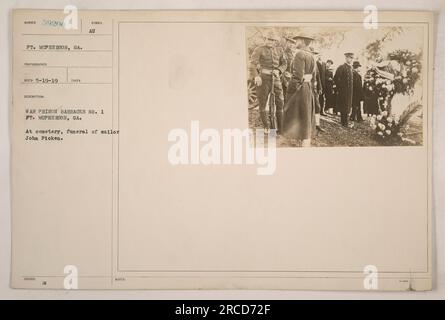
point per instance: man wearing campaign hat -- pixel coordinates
(322, 69)
(357, 93)
(344, 81)
(267, 64)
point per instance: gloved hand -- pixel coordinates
(258, 81)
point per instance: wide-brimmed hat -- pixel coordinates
(349, 54)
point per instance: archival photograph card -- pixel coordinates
(222, 150)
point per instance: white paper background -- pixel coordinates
(439, 153)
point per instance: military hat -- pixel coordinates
(349, 54)
(289, 39)
(356, 64)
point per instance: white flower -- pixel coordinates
(380, 133)
(389, 125)
(385, 113)
(373, 127)
(382, 126)
(389, 119)
(379, 117)
(388, 132)
(400, 134)
(372, 120)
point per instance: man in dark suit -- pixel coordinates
(357, 93)
(330, 88)
(289, 55)
(318, 92)
(343, 81)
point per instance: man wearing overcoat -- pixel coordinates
(344, 83)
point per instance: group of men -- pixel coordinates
(298, 87)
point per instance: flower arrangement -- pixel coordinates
(398, 74)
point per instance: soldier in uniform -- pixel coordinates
(343, 81)
(299, 113)
(357, 93)
(267, 64)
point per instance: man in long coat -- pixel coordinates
(299, 111)
(267, 63)
(343, 81)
